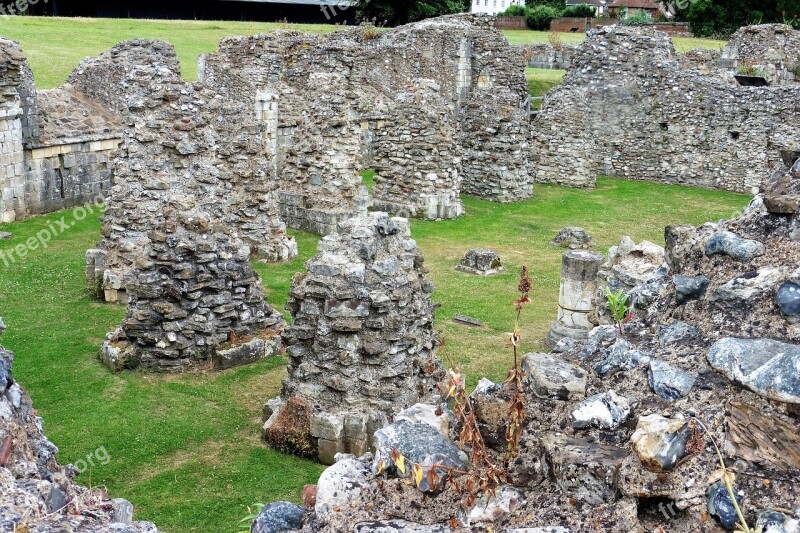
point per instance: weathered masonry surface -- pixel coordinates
(330, 103)
(627, 109)
(55, 146)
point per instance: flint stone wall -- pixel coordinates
(362, 340)
(286, 74)
(627, 109)
(184, 145)
(417, 163)
(772, 50)
(195, 302)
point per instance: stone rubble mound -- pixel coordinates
(195, 302)
(37, 494)
(619, 426)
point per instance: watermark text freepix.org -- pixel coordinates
(99, 457)
(9, 256)
(17, 8)
(330, 10)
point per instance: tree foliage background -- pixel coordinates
(396, 12)
(720, 18)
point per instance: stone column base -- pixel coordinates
(325, 433)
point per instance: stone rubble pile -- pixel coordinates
(481, 262)
(361, 343)
(37, 494)
(619, 428)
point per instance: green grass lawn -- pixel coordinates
(541, 80)
(185, 449)
(43, 39)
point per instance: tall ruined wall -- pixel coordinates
(627, 109)
(281, 75)
(416, 160)
(12, 177)
(182, 145)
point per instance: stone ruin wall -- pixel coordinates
(290, 74)
(627, 109)
(772, 50)
(12, 180)
(361, 343)
(195, 302)
(184, 146)
(56, 146)
(415, 160)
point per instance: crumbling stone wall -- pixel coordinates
(547, 56)
(195, 301)
(184, 144)
(769, 50)
(56, 144)
(417, 163)
(12, 177)
(627, 109)
(36, 492)
(280, 74)
(361, 343)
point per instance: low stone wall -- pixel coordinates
(673, 29)
(580, 25)
(570, 24)
(55, 146)
(12, 175)
(545, 55)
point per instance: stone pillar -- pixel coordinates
(579, 269)
(361, 344)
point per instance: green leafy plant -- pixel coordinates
(539, 17)
(580, 11)
(513, 11)
(618, 305)
(637, 19)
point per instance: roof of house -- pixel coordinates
(637, 4)
(588, 2)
